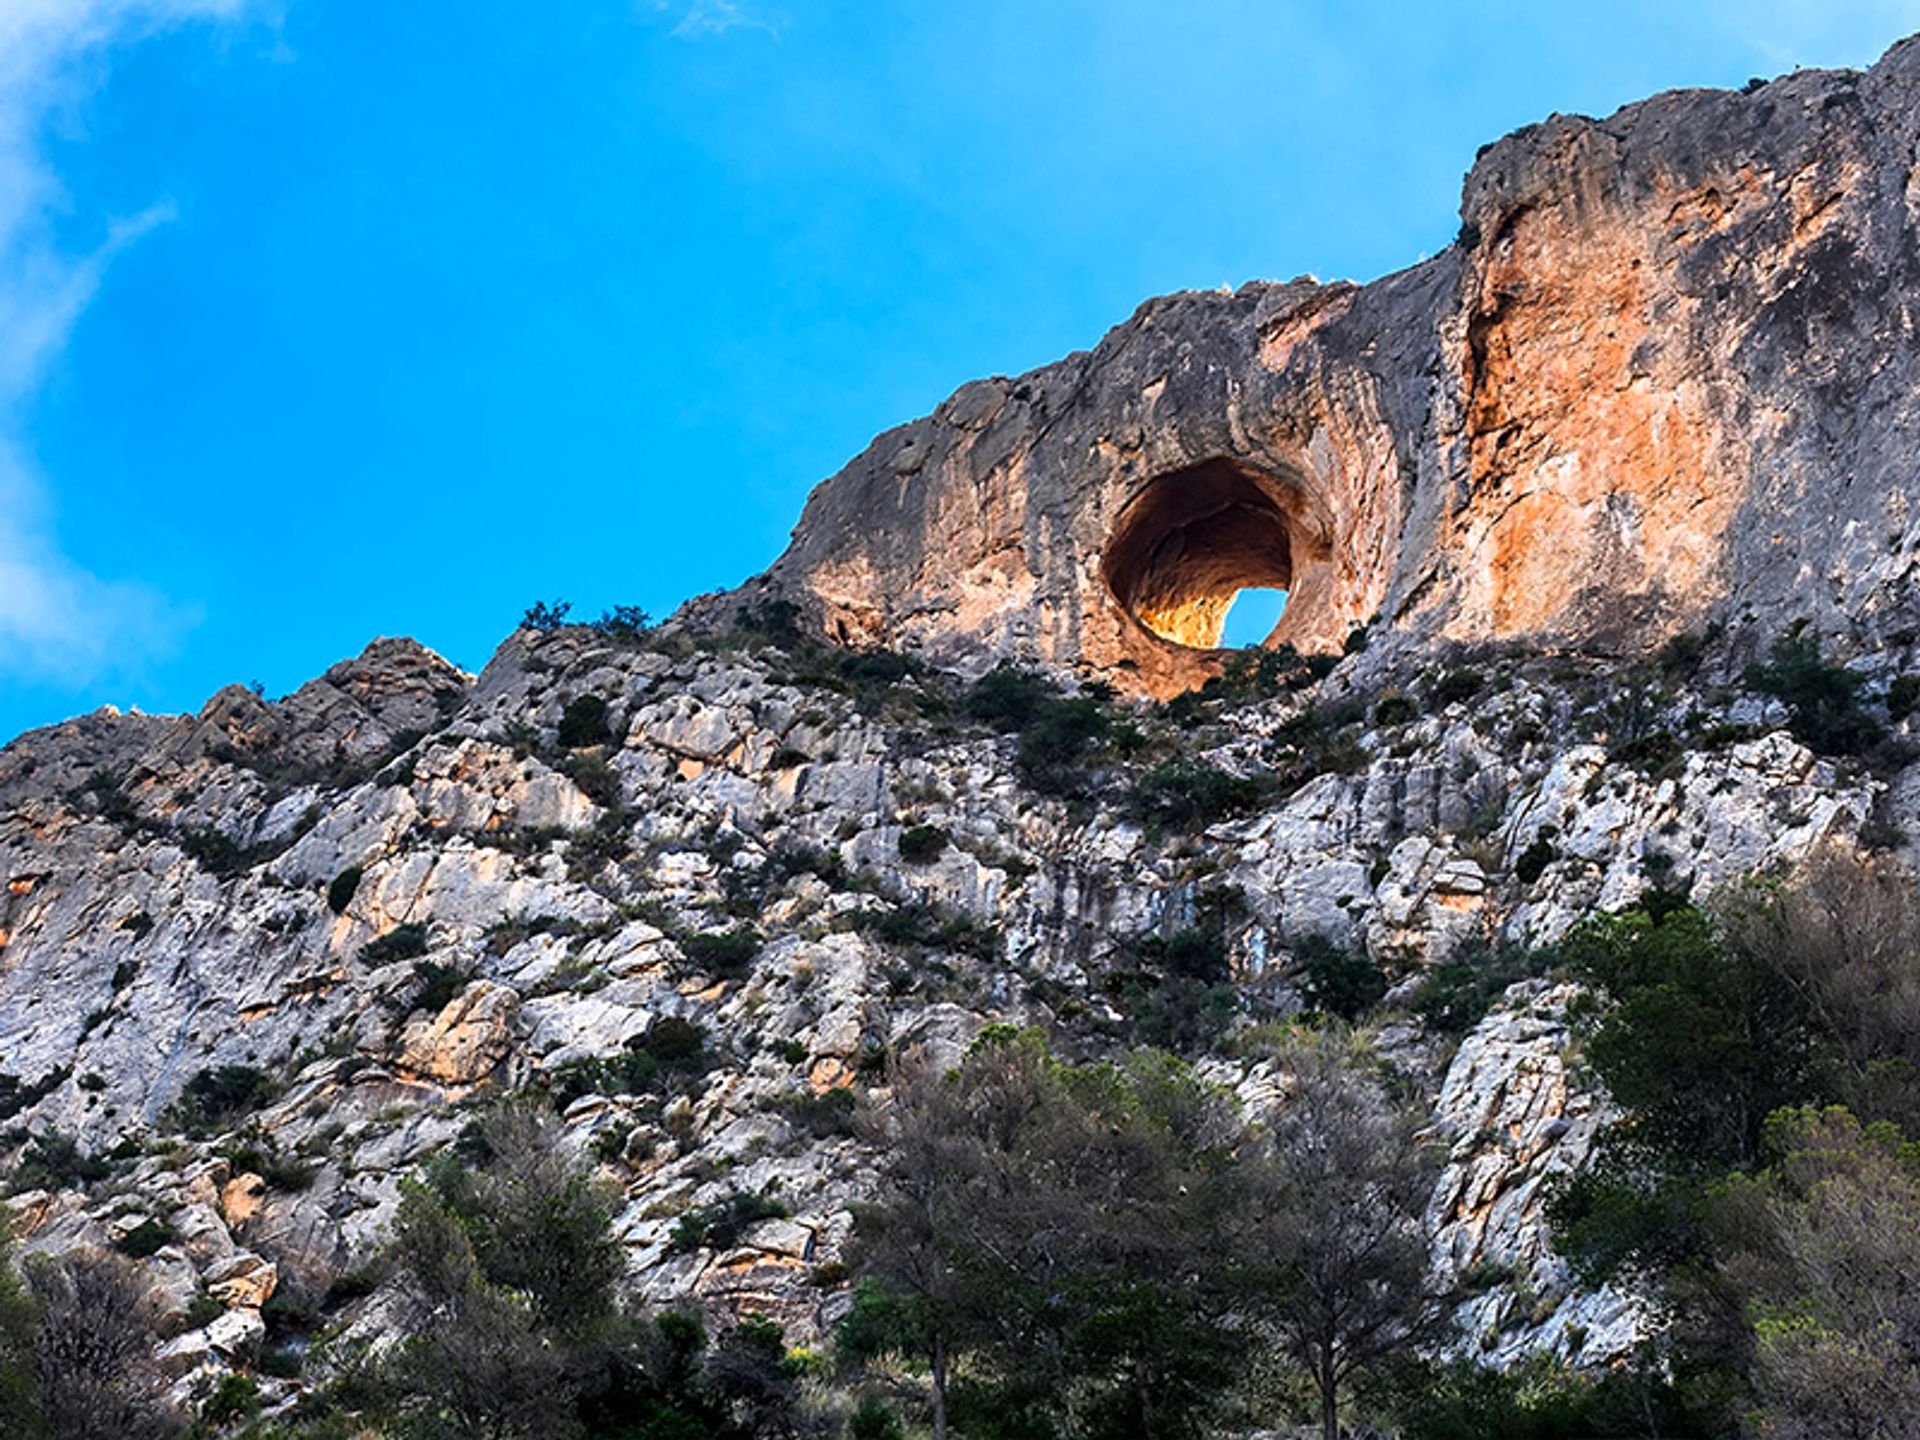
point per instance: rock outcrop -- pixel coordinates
(262, 961)
(1665, 375)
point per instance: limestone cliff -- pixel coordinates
(1666, 373)
(257, 962)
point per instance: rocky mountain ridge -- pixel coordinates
(1540, 502)
(807, 861)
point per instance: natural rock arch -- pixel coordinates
(1190, 541)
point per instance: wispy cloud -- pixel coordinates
(705, 18)
(58, 621)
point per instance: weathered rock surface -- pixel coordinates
(1666, 374)
(1664, 379)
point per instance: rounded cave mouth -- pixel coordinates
(1190, 542)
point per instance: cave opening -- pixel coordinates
(1192, 543)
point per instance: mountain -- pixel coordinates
(1556, 510)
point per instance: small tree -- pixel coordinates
(1820, 1252)
(93, 1361)
(507, 1268)
(1056, 1230)
(1341, 1180)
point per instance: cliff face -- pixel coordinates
(1665, 378)
(271, 885)
(1665, 374)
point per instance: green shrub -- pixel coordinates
(1187, 795)
(922, 844)
(1315, 742)
(872, 1420)
(718, 1226)
(1534, 860)
(1255, 673)
(234, 1398)
(435, 986)
(1903, 696)
(1059, 735)
(1009, 698)
(341, 892)
(596, 777)
(53, 1161)
(626, 623)
(543, 616)
(824, 1115)
(1392, 710)
(15, 1097)
(1454, 686)
(1336, 981)
(725, 953)
(403, 942)
(583, 723)
(788, 757)
(1454, 993)
(926, 926)
(672, 1050)
(222, 1093)
(1823, 701)
(149, 1237)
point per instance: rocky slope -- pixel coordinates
(697, 883)
(181, 896)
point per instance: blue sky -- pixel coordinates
(327, 319)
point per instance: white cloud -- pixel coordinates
(57, 621)
(715, 17)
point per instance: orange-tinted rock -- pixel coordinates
(1664, 374)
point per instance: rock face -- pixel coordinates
(264, 960)
(1666, 374)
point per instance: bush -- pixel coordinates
(597, 779)
(1335, 981)
(1008, 698)
(672, 1047)
(928, 927)
(543, 617)
(1454, 686)
(1317, 742)
(222, 1093)
(872, 1420)
(149, 1237)
(436, 985)
(1190, 795)
(1903, 696)
(1058, 734)
(922, 844)
(719, 1225)
(1822, 700)
(1534, 860)
(235, 1397)
(53, 1161)
(823, 1115)
(1455, 993)
(341, 892)
(626, 623)
(1392, 710)
(725, 953)
(403, 942)
(773, 622)
(1255, 673)
(583, 723)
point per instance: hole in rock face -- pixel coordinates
(1251, 618)
(1191, 542)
